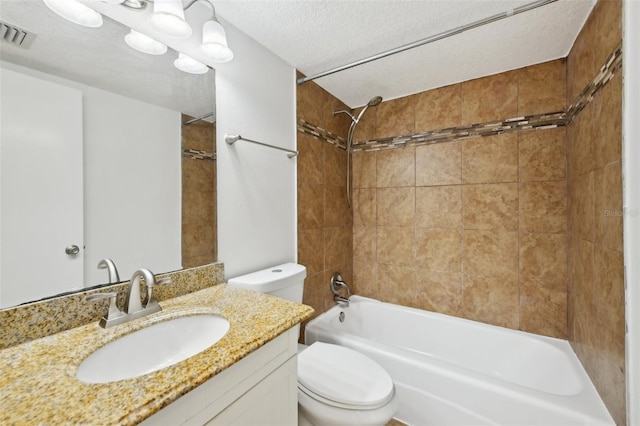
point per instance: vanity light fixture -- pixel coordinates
(214, 41)
(76, 12)
(168, 17)
(187, 64)
(144, 44)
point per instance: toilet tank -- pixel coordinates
(285, 281)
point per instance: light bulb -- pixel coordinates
(76, 12)
(214, 42)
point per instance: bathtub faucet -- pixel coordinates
(336, 284)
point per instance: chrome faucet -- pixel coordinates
(338, 283)
(134, 308)
(111, 268)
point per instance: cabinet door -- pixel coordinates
(273, 401)
(40, 188)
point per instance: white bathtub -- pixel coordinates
(451, 371)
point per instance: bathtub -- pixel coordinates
(451, 371)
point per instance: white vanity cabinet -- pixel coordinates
(260, 389)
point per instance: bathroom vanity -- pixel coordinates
(248, 376)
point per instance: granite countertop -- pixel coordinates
(38, 383)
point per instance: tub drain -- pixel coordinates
(341, 317)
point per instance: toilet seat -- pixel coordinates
(343, 378)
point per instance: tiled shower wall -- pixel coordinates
(474, 228)
(596, 274)
(199, 242)
(324, 219)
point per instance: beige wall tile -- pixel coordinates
(366, 128)
(490, 159)
(607, 125)
(198, 175)
(490, 98)
(310, 160)
(200, 135)
(397, 284)
(582, 211)
(310, 102)
(439, 291)
(543, 310)
(491, 254)
(395, 167)
(198, 207)
(364, 243)
(336, 209)
(364, 169)
(608, 24)
(491, 300)
(310, 250)
(608, 272)
(490, 206)
(337, 246)
(365, 278)
(395, 117)
(439, 250)
(310, 206)
(541, 155)
(543, 259)
(581, 66)
(608, 217)
(582, 149)
(396, 206)
(439, 206)
(313, 293)
(439, 164)
(337, 124)
(335, 165)
(542, 88)
(396, 245)
(438, 108)
(363, 206)
(543, 207)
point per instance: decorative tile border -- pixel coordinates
(321, 134)
(197, 154)
(539, 121)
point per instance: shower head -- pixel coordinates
(375, 101)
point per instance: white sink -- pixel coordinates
(152, 348)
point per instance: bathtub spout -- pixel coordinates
(338, 283)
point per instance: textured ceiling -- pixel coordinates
(311, 35)
(318, 35)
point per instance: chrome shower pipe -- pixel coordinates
(431, 39)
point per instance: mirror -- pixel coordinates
(147, 192)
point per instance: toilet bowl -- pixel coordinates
(336, 385)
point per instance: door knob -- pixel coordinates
(72, 250)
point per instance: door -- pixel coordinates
(40, 188)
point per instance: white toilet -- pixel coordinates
(336, 385)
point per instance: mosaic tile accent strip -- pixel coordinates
(32, 321)
(321, 134)
(612, 65)
(197, 154)
(539, 121)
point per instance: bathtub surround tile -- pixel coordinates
(582, 160)
(366, 128)
(439, 291)
(543, 259)
(310, 206)
(395, 168)
(338, 124)
(396, 245)
(335, 165)
(439, 164)
(541, 155)
(397, 284)
(365, 278)
(491, 300)
(395, 117)
(608, 375)
(607, 111)
(543, 207)
(336, 209)
(582, 210)
(608, 22)
(312, 295)
(309, 103)
(543, 310)
(491, 97)
(363, 205)
(439, 250)
(608, 209)
(439, 206)
(321, 134)
(491, 159)
(438, 108)
(396, 206)
(308, 255)
(363, 169)
(491, 254)
(609, 293)
(337, 246)
(581, 65)
(310, 160)
(542, 87)
(492, 206)
(365, 243)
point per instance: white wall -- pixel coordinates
(255, 97)
(631, 177)
(132, 182)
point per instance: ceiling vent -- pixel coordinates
(16, 36)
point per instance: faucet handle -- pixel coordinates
(150, 299)
(113, 311)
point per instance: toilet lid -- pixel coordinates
(343, 376)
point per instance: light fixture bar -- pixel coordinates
(431, 39)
